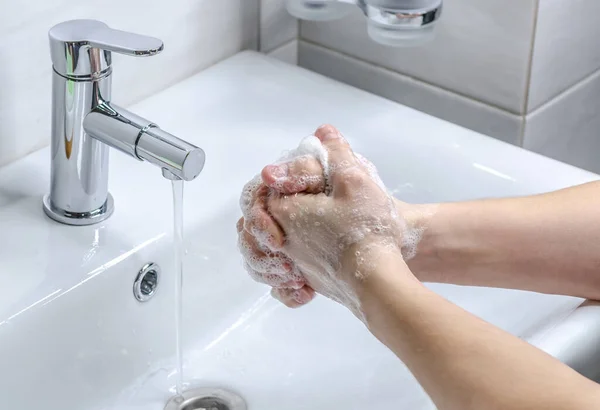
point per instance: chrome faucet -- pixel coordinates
(85, 123)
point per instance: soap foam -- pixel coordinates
(374, 216)
(275, 268)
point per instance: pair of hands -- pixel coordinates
(305, 233)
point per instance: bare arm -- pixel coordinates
(547, 243)
(463, 362)
(348, 245)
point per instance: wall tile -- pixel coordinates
(413, 93)
(277, 26)
(197, 33)
(568, 127)
(287, 53)
(566, 47)
(482, 49)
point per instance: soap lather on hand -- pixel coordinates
(261, 239)
(361, 212)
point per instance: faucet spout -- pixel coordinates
(144, 140)
(85, 123)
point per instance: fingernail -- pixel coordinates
(293, 284)
(331, 136)
(296, 295)
(278, 171)
(301, 296)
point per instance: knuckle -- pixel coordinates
(325, 129)
(284, 296)
(352, 177)
(306, 166)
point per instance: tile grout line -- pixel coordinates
(529, 72)
(279, 47)
(417, 80)
(259, 4)
(566, 91)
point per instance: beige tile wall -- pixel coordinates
(523, 71)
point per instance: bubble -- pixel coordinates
(368, 216)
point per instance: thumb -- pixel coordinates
(340, 154)
(302, 175)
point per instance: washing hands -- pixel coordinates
(317, 221)
(320, 220)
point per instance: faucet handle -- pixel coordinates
(81, 49)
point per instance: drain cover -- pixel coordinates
(206, 399)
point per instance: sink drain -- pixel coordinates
(146, 282)
(206, 399)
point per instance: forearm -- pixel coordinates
(547, 243)
(462, 362)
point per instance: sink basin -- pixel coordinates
(72, 335)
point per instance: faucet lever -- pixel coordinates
(81, 49)
(124, 42)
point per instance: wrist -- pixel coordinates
(382, 264)
(389, 281)
(421, 240)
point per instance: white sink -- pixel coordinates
(72, 336)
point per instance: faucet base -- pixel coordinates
(79, 218)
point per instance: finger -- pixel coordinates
(274, 277)
(303, 174)
(263, 261)
(288, 210)
(324, 130)
(348, 172)
(339, 152)
(294, 298)
(240, 225)
(251, 248)
(262, 225)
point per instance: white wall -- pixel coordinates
(563, 120)
(523, 71)
(197, 34)
(279, 31)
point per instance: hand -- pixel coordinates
(266, 263)
(263, 261)
(335, 239)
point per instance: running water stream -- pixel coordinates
(178, 251)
